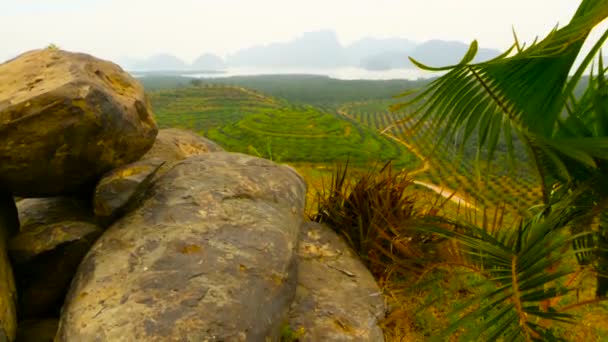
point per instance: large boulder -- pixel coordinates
(65, 120)
(55, 235)
(210, 255)
(9, 225)
(337, 297)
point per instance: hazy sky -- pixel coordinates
(188, 28)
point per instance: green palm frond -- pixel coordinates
(523, 94)
(531, 96)
(513, 263)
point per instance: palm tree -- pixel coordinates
(528, 93)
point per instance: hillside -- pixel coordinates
(246, 121)
(319, 91)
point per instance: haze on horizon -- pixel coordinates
(188, 28)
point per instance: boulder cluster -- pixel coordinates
(113, 230)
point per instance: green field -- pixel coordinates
(244, 120)
(319, 91)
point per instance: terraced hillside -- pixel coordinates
(247, 121)
(447, 165)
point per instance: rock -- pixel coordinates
(65, 120)
(208, 256)
(9, 224)
(43, 330)
(337, 298)
(174, 144)
(55, 235)
(121, 188)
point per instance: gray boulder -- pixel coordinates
(210, 255)
(337, 297)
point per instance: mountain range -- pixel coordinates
(321, 49)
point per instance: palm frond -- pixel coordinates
(526, 92)
(514, 263)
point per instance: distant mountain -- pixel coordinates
(319, 49)
(365, 48)
(441, 53)
(156, 62)
(208, 62)
(432, 53)
(386, 60)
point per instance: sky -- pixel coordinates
(188, 28)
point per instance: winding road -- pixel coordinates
(426, 165)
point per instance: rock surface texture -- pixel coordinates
(122, 187)
(209, 256)
(9, 225)
(173, 145)
(65, 120)
(55, 235)
(337, 298)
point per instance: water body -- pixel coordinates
(337, 73)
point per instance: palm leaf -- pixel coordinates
(526, 92)
(514, 264)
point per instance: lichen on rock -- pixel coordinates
(209, 255)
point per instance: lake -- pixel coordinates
(337, 73)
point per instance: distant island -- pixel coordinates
(319, 49)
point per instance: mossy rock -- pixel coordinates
(65, 120)
(55, 235)
(119, 191)
(9, 225)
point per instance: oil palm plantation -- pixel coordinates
(532, 94)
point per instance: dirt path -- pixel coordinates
(426, 166)
(447, 193)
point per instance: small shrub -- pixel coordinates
(376, 212)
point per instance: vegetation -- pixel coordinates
(375, 212)
(451, 166)
(526, 269)
(319, 91)
(244, 120)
